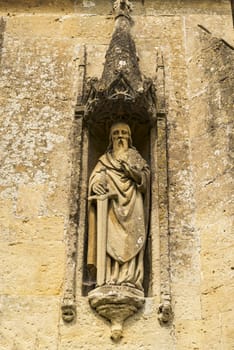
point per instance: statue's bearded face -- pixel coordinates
(120, 136)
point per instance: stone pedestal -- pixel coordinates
(116, 303)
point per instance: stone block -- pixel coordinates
(215, 300)
(217, 28)
(211, 332)
(29, 322)
(217, 267)
(215, 196)
(185, 261)
(63, 27)
(32, 267)
(31, 200)
(40, 228)
(227, 338)
(188, 334)
(217, 233)
(95, 53)
(186, 301)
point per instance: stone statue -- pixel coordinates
(118, 212)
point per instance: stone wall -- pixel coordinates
(42, 44)
(211, 101)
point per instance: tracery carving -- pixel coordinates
(122, 88)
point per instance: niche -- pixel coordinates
(98, 141)
(121, 94)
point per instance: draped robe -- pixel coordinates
(126, 222)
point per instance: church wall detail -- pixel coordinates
(73, 78)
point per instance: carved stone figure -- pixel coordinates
(118, 212)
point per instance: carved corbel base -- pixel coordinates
(68, 313)
(116, 303)
(165, 314)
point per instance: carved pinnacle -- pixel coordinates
(122, 7)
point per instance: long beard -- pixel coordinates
(120, 144)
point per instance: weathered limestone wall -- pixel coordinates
(211, 81)
(42, 45)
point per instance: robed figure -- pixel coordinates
(118, 212)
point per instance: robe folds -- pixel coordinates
(127, 218)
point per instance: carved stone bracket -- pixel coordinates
(116, 303)
(165, 314)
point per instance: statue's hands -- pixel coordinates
(99, 188)
(100, 185)
(131, 172)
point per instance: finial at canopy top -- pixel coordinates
(122, 7)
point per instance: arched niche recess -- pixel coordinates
(98, 140)
(122, 94)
